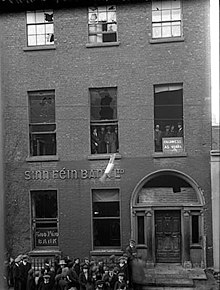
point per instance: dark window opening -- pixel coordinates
(106, 218)
(168, 118)
(140, 222)
(42, 125)
(104, 123)
(44, 218)
(195, 229)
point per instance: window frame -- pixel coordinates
(45, 93)
(158, 121)
(196, 213)
(34, 220)
(113, 123)
(36, 24)
(101, 23)
(97, 248)
(161, 22)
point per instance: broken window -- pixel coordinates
(168, 118)
(44, 211)
(104, 123)
(166, 18)
(42, 127)
(40, 28)
(106, 218)
(102, 24)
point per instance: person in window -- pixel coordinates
(172, 131)
(110, 140)
(158, 138)
(95, 141)
(102, 144)
(167, 133)
(179, 130)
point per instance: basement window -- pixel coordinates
(40, 28)
(102, 24)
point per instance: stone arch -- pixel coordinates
(171, 172)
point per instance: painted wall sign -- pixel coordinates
(64, 174)
(173, 145)
(46, 237)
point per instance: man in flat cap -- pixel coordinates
(131, 252)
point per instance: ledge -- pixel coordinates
(42, 158)
(169, 155)
(196, 246)
(103, 156)
(44, 252)
(39, 47)
(102, 44)
(109, 252)
(166, 40)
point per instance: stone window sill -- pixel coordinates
(106, 252)
(103, 156)
(169, 155)
(195, 246)
(102, 44)
(39, 47)
(166, 40)
(44, 252)
(42, 158)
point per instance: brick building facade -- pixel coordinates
(70, 69)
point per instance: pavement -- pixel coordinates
(174, 276)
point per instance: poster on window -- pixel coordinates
(46, 237)
(173, 145)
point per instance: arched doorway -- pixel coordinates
(166, 211)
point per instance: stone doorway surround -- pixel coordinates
(146, 203)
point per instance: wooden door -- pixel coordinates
(168, 236)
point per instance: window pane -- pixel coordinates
(103, 104)
(31, 29)
(112, 27)
(176, 4)
(99, 38)
(32, 40)
(30, 17)
(176, 14)
(106, 209)
(39, 17)
(106, 232)
(166, 15)
(92, 38)
(42, 109)
(106, 195)
(110, 37)
(166, 30)
(156, 30)
(40, 29)
(102, 16)
(49, 28)
(169, 97)
(156, 16)
(41, 39)
(166, 4)
(43, 144)
(195, 229)
(140, 221)
(176, 30)
(42, 128)
(156, 5)
(50, 38)
(111, 17)
(44, 204)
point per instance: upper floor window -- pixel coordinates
(102, 24)
(104, 123)
(40, 28)
(166, 18)
(44, 212)
(42, 127)
(168, 118)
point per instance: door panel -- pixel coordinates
(167, 236)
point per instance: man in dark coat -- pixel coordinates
(85, 279)
(131, 252)
(16, 273)
(24, 268)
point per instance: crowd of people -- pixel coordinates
(65, 273)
